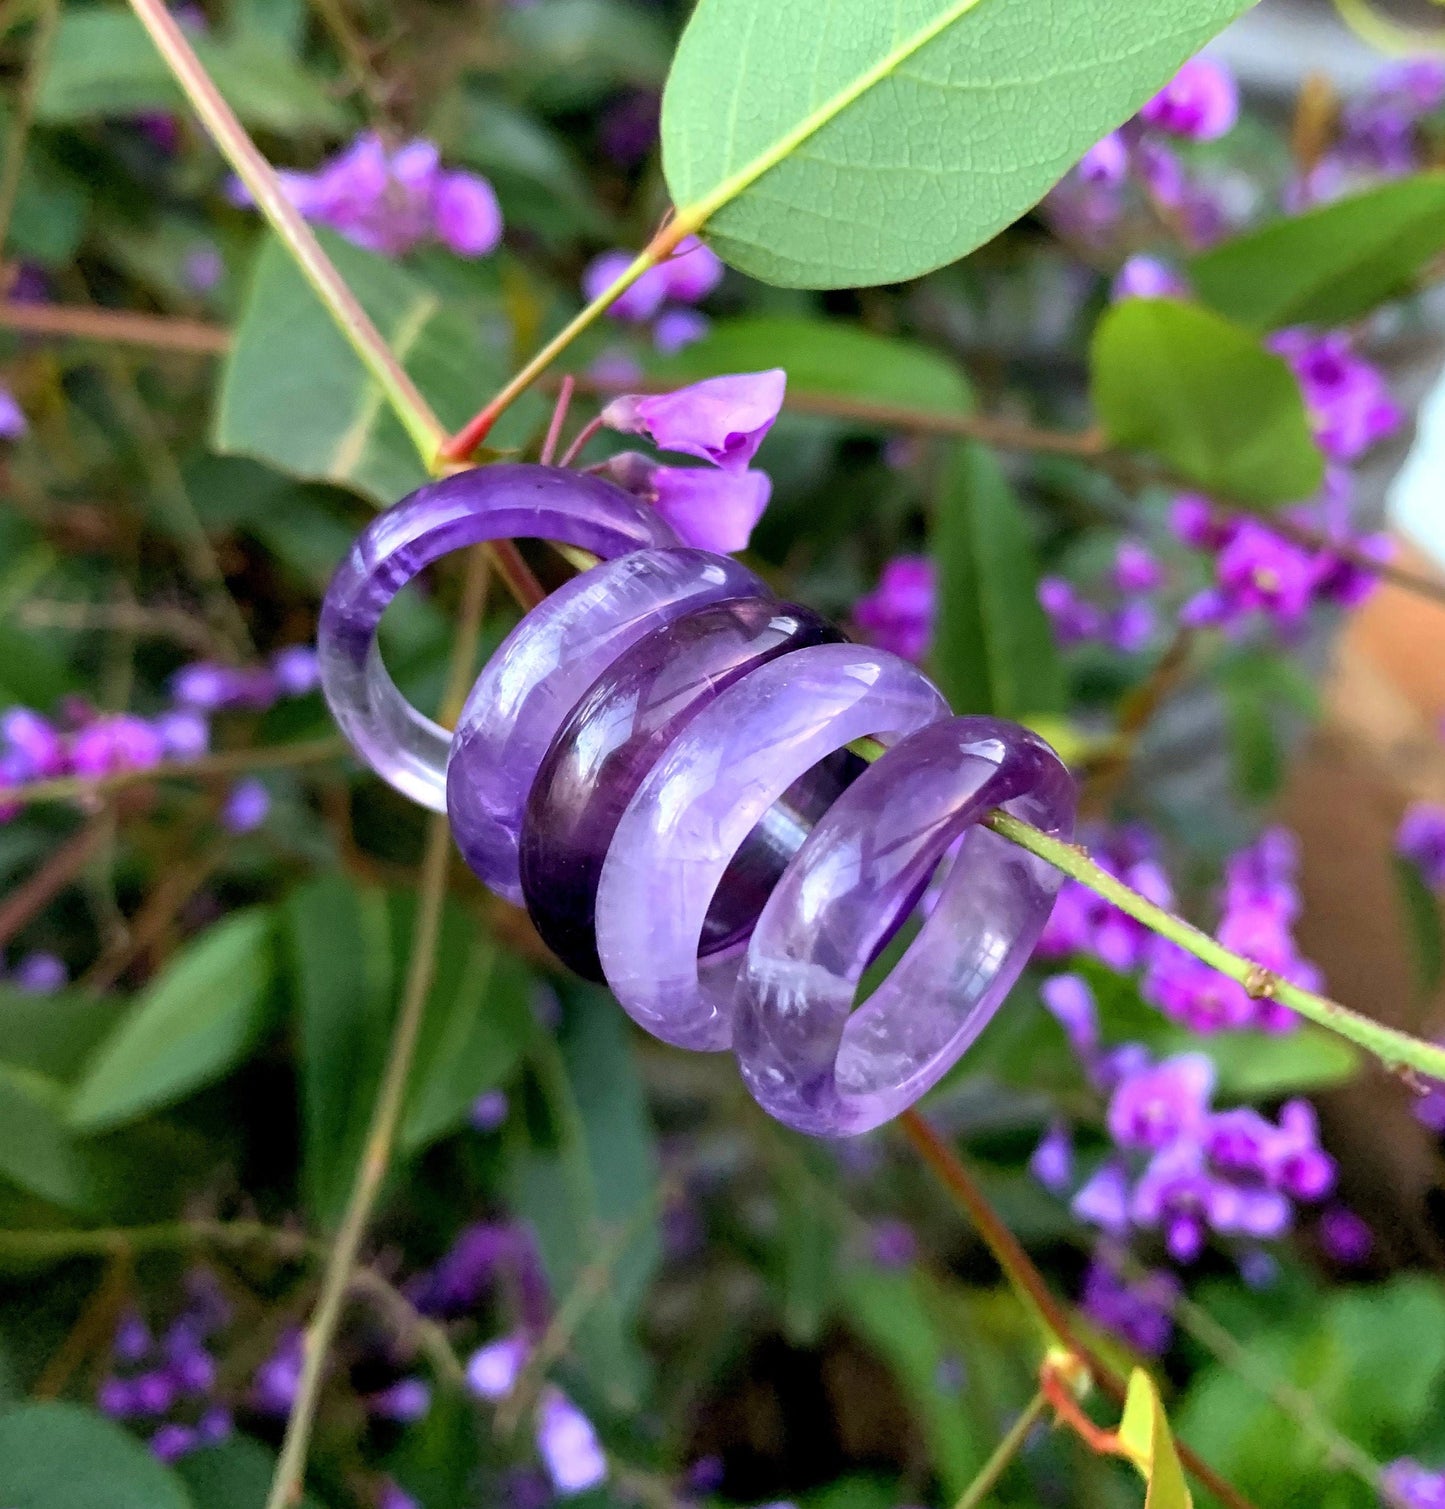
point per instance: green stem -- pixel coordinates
(1004, 1453)
(426, 430)
(46, 24)
(1394, 1048)
(391, 1097)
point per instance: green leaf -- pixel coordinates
(55, 1034)
(337, 943)
(1331, 264)
(1147, 1441)
(1206, 398)
(193, 1023)
(295, 395)
(829, 357)
(828, 146)
(590, 1192)
(569, 53)
(38, 1151)
(992, 649)
(478, 1022)
(1422, 917)
(1264, 1065)
(51, 207)
(104, 64)
(59, 1456)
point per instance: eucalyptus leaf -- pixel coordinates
(1333, 263)
(829, 146)
(993, 651)
(192, 1024)
(829, 357)
(59, 1456)
(1204, 396)
(295, 395)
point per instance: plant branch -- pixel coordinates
(1004, 1453)
(1394, 1048)
(1030, 1285)
(46, 24)
(69, 788)
(119, 327)
(64, 865)
(391, 1096)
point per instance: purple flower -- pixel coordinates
(1177, 1194)
(1104, 1200)
(641, 300)
(1052, 1161)
(1348, 400)
(1298, 1165)
(393, 1496)
(1405, 1484)
(489, 1111)
(1146, 277)
(1072, 619)
(714, 510)
(246, 806)
(172, 1441)
(115, 742)
(466, 216)
(898, 614)
(1071, 1002)
(116, 1398)
(894, 1245)
(184, 733)
(40, 974)
(1135, 569)
(1161, 173)
(202, 268)
(13, 424)
(1106, 163)
(1240, 1142)
(691, 272)
(274, 1385)
(1260, 570)
(676, 329)
(296, 670)
(133, 1340)
(1189, 992)
(153, 1393)
(721, 419)
(1201, 102)
(1132, 627)
(1152, 1108)
(1420, 839)
(1345, 1238)
(211, 688)
(568, 1445)
(1139, 1313)
(493, 1370)
(405, 1401)
(35, 740)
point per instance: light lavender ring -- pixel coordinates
(807, 1055)
(406, 749)
(719, 778)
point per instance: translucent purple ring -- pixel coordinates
(809, 1057)
(717, 780)
(406, 749)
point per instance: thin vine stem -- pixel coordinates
(1004, 1453)
(391, 1097)
(119, 327)
(1031, 1286)
(1394, 1048)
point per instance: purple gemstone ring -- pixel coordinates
(407, 750)
(656, 761)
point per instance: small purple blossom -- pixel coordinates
(568, 1446)
(893, 1245)
(113, 743)
(1420, 839)
(1162, 1103)
(1106, 163)
(714, 510)
(296, 670)
(1073, 620)
(35, 741)
(639, 302)
(1200, 102)
(13, 424)
(466, 217)
(1103, 1201)
(173, 1440)
(1071, 1003)
(721, 419)
(1139, 1313)
(184, 733)
(275, 1382)
(1347, 397)
(1052, 1161)
(40, 974)
(489, 1111)
(1144, 277)
(1136, 568)
(898, 614)
(691, 272)
(676, 329)
(493, 1370)
(202, 268)
(1344, 1238)
(405, 1401)
(246, 806)
(1405, 1484)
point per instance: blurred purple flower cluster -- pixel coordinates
(38, 974)
(1420, 840)
(1128, 623)
(722, 421)
(82, 742)
(393, 199)
(1405, 1484)
(166, 1385)
(1259, 904)
(663, 295)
